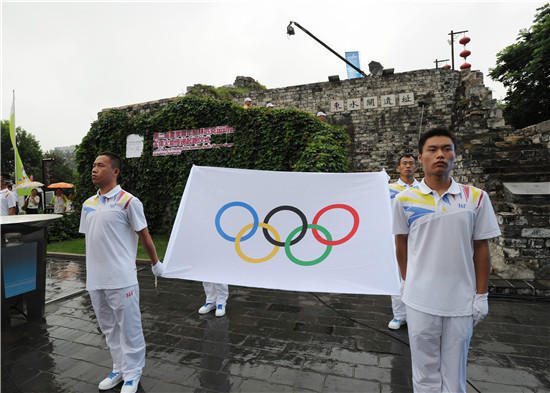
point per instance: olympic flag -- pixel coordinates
(321, 232)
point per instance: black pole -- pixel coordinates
(329, 48)
(453, 50)
(452, 34)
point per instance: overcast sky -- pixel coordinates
(67, 61)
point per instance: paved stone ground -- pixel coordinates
(270, 341)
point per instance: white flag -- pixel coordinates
(321, 232)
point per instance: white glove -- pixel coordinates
(401, 288)
(158, 269)
(480, 307)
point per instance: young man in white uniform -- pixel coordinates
(8, 199)
(406, 167)
(442, 231)
(216, 298)
(112, 221)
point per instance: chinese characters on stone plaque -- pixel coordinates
(406, 99)
(337, 106)
(387, 100)
(373, 102)
(354, 104)
(370, 102)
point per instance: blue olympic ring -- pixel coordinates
(247, 207)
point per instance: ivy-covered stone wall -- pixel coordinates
(280, 140)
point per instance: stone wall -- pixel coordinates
(380, 129)
(384, 116)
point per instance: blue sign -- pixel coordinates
(19, 269)
(353, 58)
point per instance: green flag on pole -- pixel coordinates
(20, 175)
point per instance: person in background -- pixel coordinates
(69, 208)
(442, 231)
(322, 116)
(406, 167)
(216, 298)
(8, 200)
(59, 202)
(32, 202)
(247, 103)
(14, 196)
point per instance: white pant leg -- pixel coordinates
(108, 325)
(425, 340)
(216, 293)
(125, 305)
(222, 293)
(210, 292)
(455, 341)
(398, 307)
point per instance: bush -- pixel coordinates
(64, 228)
(268, 139)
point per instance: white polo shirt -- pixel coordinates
(441, 230)
(400, 185)
(8, 200)
(110, 223)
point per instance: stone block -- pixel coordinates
(536, 232)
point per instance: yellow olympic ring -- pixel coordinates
(256, 260)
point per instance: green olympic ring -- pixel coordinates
(314, 261)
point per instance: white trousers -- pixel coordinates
(398, 307)
(439, 351)
(216, 293)
(119, 318)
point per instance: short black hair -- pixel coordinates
(116, 162)
(438, 131)
(405, 155)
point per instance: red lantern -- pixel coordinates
(465, 53)
(464, 40)
(465, 66)
(446, 67)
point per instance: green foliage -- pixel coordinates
(276, 139)
(61, 167)
(64, 228)
(29, 150)
(524, 69)
(323, 154)
(78, 246)
(224, 93)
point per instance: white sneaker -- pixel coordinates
(113, 379)
(220, 310)
(130, 386)
(206, 308)
(395, 324)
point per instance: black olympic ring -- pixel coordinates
(292, 209)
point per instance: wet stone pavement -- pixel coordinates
(269, 341)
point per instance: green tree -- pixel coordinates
(61, 168)
(29, 150)
(524, 69)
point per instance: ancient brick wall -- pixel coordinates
(382, 114)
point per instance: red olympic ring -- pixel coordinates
(350, 209)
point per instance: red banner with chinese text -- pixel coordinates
(174, 142)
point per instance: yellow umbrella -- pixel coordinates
(61, 185)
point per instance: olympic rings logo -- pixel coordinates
(273, 237)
